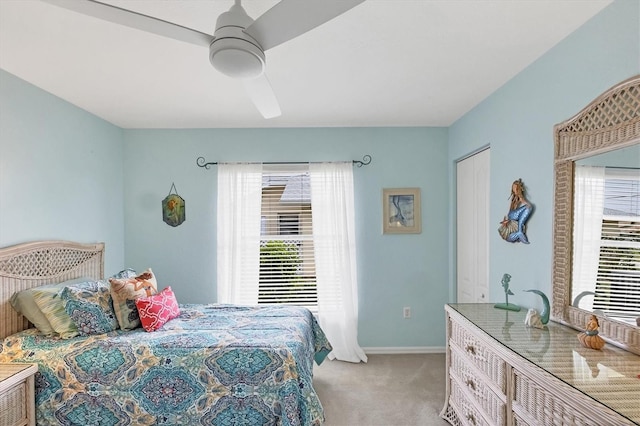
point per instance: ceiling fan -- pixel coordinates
(237, 46)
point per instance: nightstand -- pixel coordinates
(17, 394)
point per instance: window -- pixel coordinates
(258, 263)
(287, 264)
(618, 277)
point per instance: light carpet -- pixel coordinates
(389, 390)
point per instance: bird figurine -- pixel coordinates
(589, 338)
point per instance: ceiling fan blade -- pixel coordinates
(263, 97)
(135, 20)
(290, 18)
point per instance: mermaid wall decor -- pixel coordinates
(514, 225)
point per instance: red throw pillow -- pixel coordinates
(156, 310)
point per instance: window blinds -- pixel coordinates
(287, 259)
(618, 278)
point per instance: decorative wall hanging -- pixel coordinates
(401, 211)
(173, 208)
(506, 279)
(513, 227)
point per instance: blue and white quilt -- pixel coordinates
(213, 365)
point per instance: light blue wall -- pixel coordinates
(60, 172)
(394, 270)
(517, 121)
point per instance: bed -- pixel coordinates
(212, 365)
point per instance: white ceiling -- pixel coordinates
(383, 63)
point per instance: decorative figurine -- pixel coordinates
(533, 319)
(589, 338)
(513, 226)
(544, 315)
(509, 306)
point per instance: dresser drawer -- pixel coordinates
(475, 388)
(535, 405)
(13, 403)
(466, 410)
(479, 354)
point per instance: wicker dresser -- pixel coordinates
(501, 372)
(17, 398)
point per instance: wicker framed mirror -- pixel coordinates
(608, 123)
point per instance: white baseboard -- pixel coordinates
(405, 350)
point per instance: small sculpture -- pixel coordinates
(509, 306)
(589, 338)
(544, 315)
(513, 226)
(533, 319)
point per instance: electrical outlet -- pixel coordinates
(406, 312)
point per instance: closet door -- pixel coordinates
(473, 228)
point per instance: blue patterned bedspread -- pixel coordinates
(213, 365)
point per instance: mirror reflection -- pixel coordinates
(606, 235)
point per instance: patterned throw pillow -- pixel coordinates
(90, 307)
(124, 292)
(156, 310)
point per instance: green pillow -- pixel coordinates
(24, 303)
(52, 306)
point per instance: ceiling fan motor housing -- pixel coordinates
(233, 52)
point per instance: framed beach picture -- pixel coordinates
(401, 211)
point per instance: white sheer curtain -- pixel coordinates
(335, 254)
(587, 227)
(238, 232)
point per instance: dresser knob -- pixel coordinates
(471, 349)
(471, 384)
(471, 418)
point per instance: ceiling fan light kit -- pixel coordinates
(237, 47)
(235, 55)
(233, 52)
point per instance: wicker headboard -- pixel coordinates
(29, 265)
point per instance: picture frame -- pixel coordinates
(401, 211)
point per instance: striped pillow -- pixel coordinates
(24, 303)
(52, 306)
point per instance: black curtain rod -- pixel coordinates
(201, 162)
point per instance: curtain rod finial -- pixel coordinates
(201, 162)
(366, 160)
